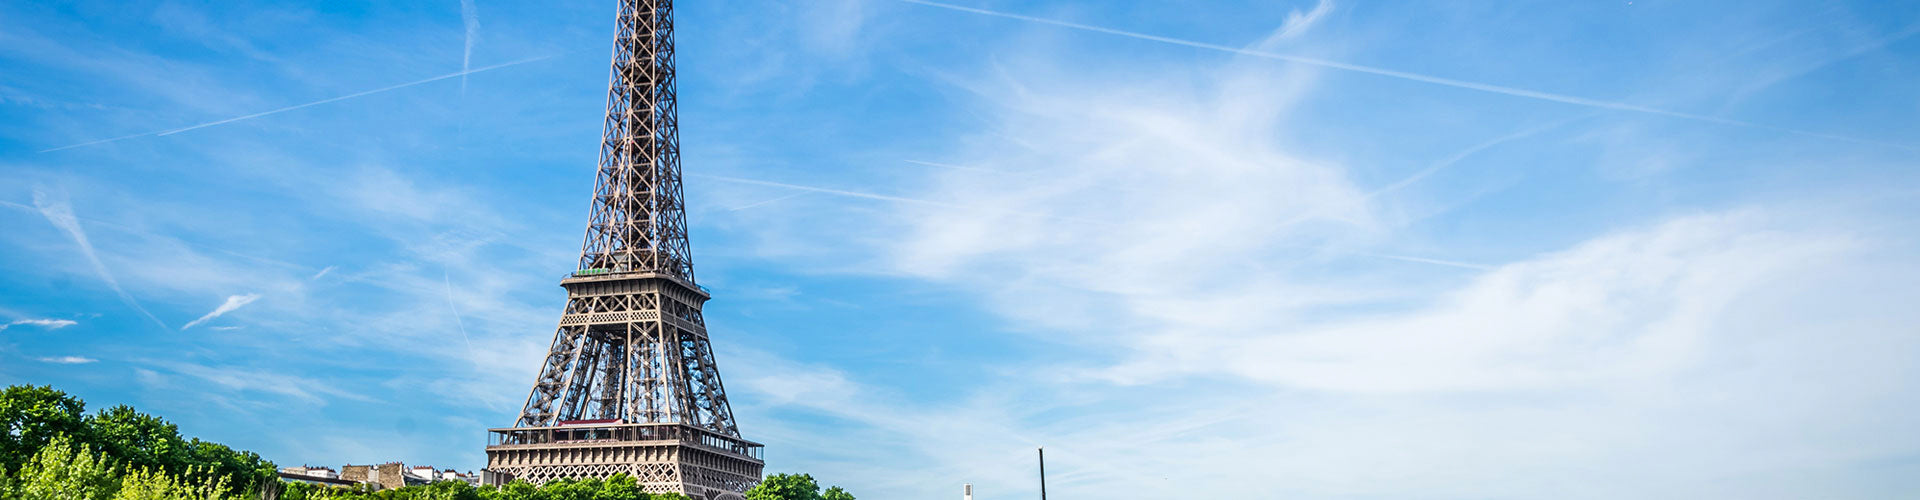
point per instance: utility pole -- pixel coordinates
(1043, 472)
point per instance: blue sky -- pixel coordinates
(1342, 249)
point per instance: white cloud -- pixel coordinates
(1210, 264)
(158, 133)
(1224, 319)
(1622, 306)
(233, 302)
(60, 213)
(68, 360)
(1516, 92)
(50, 324)
(1765, 344)
(1299, 22)
(1183, 179)
(241, 380)
(833, 26)
(470, 19)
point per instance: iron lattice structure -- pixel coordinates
(630, 384)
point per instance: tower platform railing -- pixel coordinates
(599, 434)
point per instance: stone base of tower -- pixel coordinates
(665, 458)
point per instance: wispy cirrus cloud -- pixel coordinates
(1216, 329)
(833, 27)
(1214, 318)
(68, 360)
(50, 324)
(1417, 77)
(831, 191)
(470, 19)
(768, 201)
(59, 211)
(1627, 323)
(1463, 154)
(158, 133)
(243, 380)
(1623, 306)
(1299, 22)
(233, 302)
(955, 207)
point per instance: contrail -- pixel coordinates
(896, 199)
(764, 202)
(299, 106)
(882, 197)
(138, 232)
(839, 192)
(1424, 260)
(470, 17)
(955, 167)
(60, 213)
(1449, 82)
(368, 279)
(1463, 154)
(462, 325)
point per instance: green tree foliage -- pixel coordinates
(123, 439)
(786, 487)
(52, 450)
(143, 441)
(62, 471)
(30, 417)
(145, 484)
(517, 490)
(795, 487)
(138, 440)
(449, 490)
(242, 470)
(301, 491)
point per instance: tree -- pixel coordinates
(244, 471)
(621, 487)
(62, 471)
(122, 454)
(448, 490)
(31, 416)
(786, 487)
(139, 440)
(516, 490)
(148, 484)
(562, 489)
(143, 484)
(302, 491)
(795, 487)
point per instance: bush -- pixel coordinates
(52, 450)
(795, 487)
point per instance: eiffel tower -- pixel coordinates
(630, 385)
